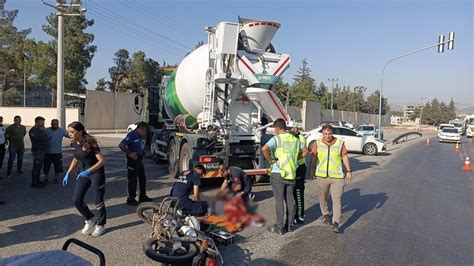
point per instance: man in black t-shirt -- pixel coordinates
(235, 181)
(190, 181)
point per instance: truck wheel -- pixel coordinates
(173, 164)
(185, 159)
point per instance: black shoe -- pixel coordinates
(20, 173)
(132, 202)
(335, 228)
(38, 185)
(44, 182)
(275, 229)
(145, 199)
(2, 202)
(327, 219)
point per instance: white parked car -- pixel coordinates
(449, 134)
(354, 141)
(441, 126)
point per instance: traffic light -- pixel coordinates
(441, 44)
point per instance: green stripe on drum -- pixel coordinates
(171, 98)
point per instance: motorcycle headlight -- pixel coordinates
(188, 232)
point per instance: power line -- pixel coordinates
(163, 18)
(125, 28)
(139, 26)
(116, 21)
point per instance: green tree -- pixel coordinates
(303, 88)
(321, 90)
(303, 73)
(11, 46)
(372, 104)
(102, 85)
(78, 48)
(120, 73)
(282, 90)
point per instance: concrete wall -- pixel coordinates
(28, 114)
(356, 118)
(311, 114)
(108, 110)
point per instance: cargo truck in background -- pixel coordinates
(469, 121)
(218, 102)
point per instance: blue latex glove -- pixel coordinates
(84, 174)
(66, 177)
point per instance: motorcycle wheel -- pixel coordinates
(152, 250)
(146, 210)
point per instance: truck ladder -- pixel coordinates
(208, 106)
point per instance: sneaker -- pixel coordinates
(99, 230)
(132, 202)
(87, 230)
(275, 229)
(335, 228)
(257, 224)
(298, 220)
(327, 219)
(145, 199)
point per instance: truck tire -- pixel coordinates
(173, 163)
(185, 158)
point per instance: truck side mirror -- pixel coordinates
(137, 106)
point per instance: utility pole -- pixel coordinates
(332, 96)
(24, 80)
(62, 9)
(421, 110)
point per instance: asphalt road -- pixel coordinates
(413, 205)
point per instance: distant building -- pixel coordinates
(395, 120)
(408, 110)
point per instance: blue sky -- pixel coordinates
(348, 40)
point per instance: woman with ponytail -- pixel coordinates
(86, 151)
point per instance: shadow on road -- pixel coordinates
(362, 204)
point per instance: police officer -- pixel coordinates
(285, 149)
(331, 154)
(298, 193)
(190, 181)
(133, 146)
(236, 181)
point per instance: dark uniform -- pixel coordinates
(87, 157)
(238, 182)
(38, 148)
(135, 143)
(182, 188)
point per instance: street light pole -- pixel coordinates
(62, 10)
(332, 96)
(24, 81)
(439, 44)
(421, 111)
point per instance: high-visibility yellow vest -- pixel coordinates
(329, 160)
(303, 143)
(288, 148)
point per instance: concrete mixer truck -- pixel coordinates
(216, 104)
